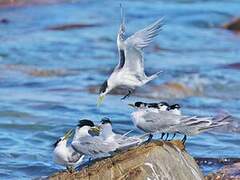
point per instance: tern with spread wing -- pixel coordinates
(129, 73)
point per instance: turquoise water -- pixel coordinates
(49, 75)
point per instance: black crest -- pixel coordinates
(103, 87)
(85, 122)
(153, 105)
(106, 120)
(139, 103)
(164, 103)
(175, 106)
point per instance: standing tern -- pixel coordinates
(167, 122)
(175, 109)
(129, 73)
(65, 155)
(90, 144)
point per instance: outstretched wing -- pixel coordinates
(144, 37)
(134, 60)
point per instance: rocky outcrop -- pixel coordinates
(156, 160)
(226, 173)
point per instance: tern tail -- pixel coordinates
(150, 78)
(217, 122)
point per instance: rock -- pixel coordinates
(65, 27)
(156, 160)
(233, 25)
(227, 172)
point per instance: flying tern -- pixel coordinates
(129, 73)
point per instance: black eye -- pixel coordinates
(103, 87)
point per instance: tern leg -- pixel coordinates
(173, 136)
(70, 169)
(127, 95)
(167, 137)
(163, 134)
(149, 138)
(184, 139)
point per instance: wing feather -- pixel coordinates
(144, 37)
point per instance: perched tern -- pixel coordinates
(129, 73)
(152, 107)
(89, 144)
(167, 122)
(65, 155)
(120, 140)
(175, 109)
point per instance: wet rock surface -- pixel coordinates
(156, 160)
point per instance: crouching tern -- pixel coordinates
(65, 155)
(168, 122)
(129, 73)
(120, 140)
(87, 140)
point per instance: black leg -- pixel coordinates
(127, 95)
(184, 139)
(163, 134)
(173, 136)
(70, 169)
(167, 137)
(89, 160)
(149, 138)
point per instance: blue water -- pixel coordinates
(48, 77)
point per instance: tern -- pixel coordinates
(167, 122)
(89, 144)
(65, 155)
(121, 140)
(129, 73)
(175, 109)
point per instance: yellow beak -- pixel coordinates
(100, 100)
(68, 134)
(95, 130)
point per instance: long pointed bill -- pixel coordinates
(68, 134)
(132, 105)
(100, 100)
(94, 131)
